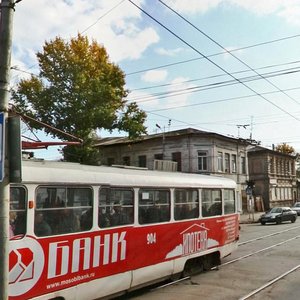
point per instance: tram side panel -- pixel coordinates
(140, 254)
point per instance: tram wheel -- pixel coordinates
(192, 267)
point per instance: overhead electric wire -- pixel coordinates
(209, 86)
(217, 75)
(229, 52)
(215, 54)
(212, 62)
(218, 100)
(110, 10)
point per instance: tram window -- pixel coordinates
(154, 206)
(115, 207)
(186, 204)
(229, 202)
(60, 210)
(211, 202)
(17, 213)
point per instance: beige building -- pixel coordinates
(274, 174)
(188, 150)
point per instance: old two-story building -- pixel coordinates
(274, 175)
(187, 150)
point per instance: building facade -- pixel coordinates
(274, 174)
(192, 151)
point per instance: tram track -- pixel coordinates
(258, 251)
(266, 236)
(271, 282)
(278, 277)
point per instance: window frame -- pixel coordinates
(151, 211)
(202, 160)
(189, 208)
(229, 201)
(54, 214)
(14, 213)
(211, 211)
(220, 160)
(106, 218)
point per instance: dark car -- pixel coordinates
(296, 208)
(278, 215)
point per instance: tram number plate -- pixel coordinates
(151, 238)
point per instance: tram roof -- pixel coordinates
(46, 172)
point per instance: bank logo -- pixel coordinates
(26, 263)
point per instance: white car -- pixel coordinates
(296, 208)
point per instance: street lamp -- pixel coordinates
(163, 141)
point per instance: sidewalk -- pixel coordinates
(246, 218)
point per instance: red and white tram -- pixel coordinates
(86, 232)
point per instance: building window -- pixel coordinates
(110, 161)
(233, 163)
(176, 156)
(227, 163)
(142, 161)
(243, 165)
(126, 160)
(158, 156)
(271, 165)
(220, 161)
(202, 160)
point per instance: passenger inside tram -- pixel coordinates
(118, 216)
(41, 227)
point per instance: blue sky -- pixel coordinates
(216, 92)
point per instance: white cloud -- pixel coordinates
(155, 75)
(193, 6)
(131, 47)
(149, 100)
(118, 30)
(287, 9)
(169, 52)
(179, 94)
(291, 14)
(145, 100)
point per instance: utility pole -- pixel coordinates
(6, 24)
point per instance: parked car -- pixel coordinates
(278, 215)
(296, 208)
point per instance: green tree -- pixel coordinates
(285, 148)
(78, 91)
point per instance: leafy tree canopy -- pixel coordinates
(285, 148)
(78, 91)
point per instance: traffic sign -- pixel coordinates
(2, 128)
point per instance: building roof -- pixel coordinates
(258, 150)
(109, 141)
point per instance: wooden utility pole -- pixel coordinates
(6, 24)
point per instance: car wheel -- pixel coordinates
(293, 220)
(262, 223)
(278, 221)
